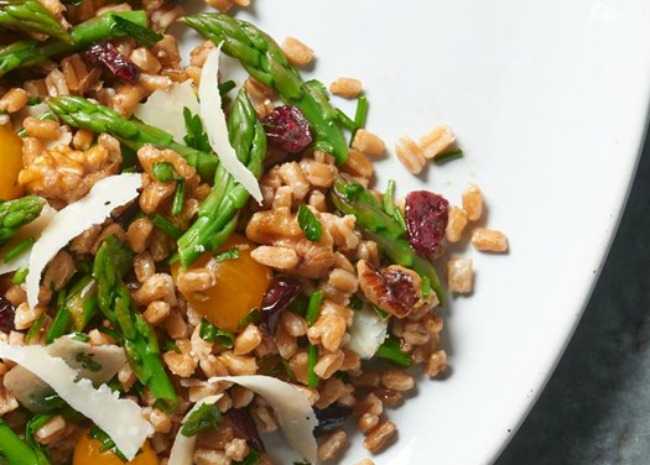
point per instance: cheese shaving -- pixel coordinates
(214, 122)
(367, 333)
(106, 195)
(183, 447)
(292, 409)
(33, 229)
(164, 109)
(121, 419)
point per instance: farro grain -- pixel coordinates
(379, 438)
(346, 87)
(473, 202)
(368, 143)
(460, 275)
(410, 155)
(333, 445)
(489, 240)
(297, 52)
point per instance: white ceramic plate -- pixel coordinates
(549, 102)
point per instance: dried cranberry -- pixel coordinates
(107, 55)
(244, 427)
(287, 129)
(331, 418)
(7, 314)
(277, 298)
(426, 220)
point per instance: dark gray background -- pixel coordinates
(596, 408)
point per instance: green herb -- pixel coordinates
(166, 226)
(253, 458)
(309, 223)
(388, 204)
(169, 345)
(448, 156)
(381, 313)
(356, 303)
(230, 254)
(78, 336)
(345, 120)
(211, 333)
(254, 316)
(299, 305)
(107, 443)
(35, 329)
(34, 100)
(226, 87)
(361, 115)
(206, 417)
(391, 350)
(88, 362)
(18, 249)
(313, 307)
(196, 136)
(142, 35)
(20, 275)
(179, 198)
(163, 171)
(312, 359)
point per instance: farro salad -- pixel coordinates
(189, 262)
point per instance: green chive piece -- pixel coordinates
(253, 458)
(163, 171)
(309, 223)
(206, 417)
(345, 120)
(391, 350)
(448, 156)
(312, 359)
(35, 329)
(230, 254)
(313, 307)
(179, 198)
(211, 333)
(388, 204)
(166, 226)
(361, 115)
(20, 275)
(18, 249)
(226, 87)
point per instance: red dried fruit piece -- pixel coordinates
(427, 215)
(107, 55)
(395, 289)
(281, 293)
(287, 129)
(7, 314)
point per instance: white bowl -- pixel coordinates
(548, 100)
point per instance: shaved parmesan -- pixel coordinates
(33, 229)
(214, 122)
(164, 109)
(183, 447)
(367, 333)
(96, 363)
(121, 419)
(106, 195)
(292, 409)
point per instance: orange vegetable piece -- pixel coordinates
(11, 162)
(241, 285)
(88, 451)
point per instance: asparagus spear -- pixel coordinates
(107, 26)
(112, 262)
(265, 61)
(15, 450)
(31, 16)
(217, 215)
(76, 310)
(16, 213)
(82, 113)
(352, 198)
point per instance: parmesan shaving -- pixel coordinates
(367, 333)
(106, 195)
(214, 122)
(183, 447)
(121, 419)
(292, 409)
(164, 109)
(33, 229)
(30, 390)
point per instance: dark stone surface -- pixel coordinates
(596, 407)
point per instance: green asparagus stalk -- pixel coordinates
(16, 213)
(31, 16)
(107, 26)
(82, 113)
(76, 310)
(352, 198)
(217, 215)
(112, 262)
(265, 61)
(15, 450)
